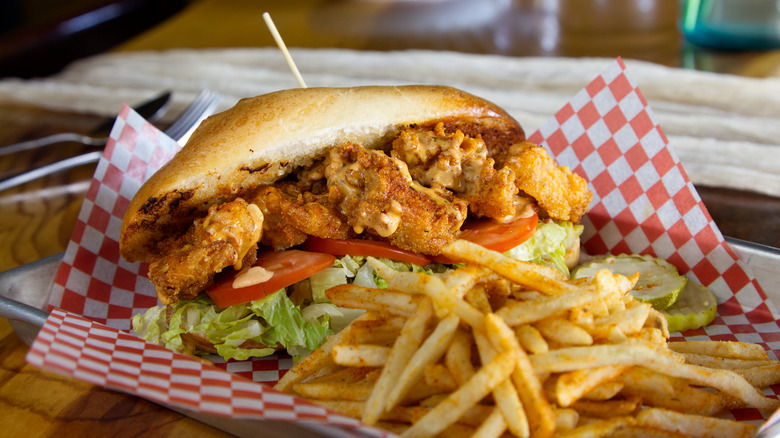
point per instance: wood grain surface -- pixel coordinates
(36, 219)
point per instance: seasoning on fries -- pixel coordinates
(547, 357)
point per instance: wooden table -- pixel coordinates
(37, 219)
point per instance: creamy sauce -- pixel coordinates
(523, 208)
(404, 169)
(257, 231)
(385, 224)
(252, 276)
(341, 179)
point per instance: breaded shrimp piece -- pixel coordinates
(563, 194)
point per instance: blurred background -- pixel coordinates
(40, 37)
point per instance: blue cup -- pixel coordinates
(732, 24)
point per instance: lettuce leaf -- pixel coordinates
(548, 245)
(270, 321)
(326, 279)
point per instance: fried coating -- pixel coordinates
(377, 195)
(460, 164)
(293, 212)
(561, 193)
(227, 236)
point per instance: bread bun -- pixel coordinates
(264, 138)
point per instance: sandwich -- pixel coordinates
(285, 194)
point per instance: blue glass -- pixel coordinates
(732, 24)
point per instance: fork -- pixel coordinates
(203, 106)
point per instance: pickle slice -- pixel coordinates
(695, 307)
(659, 282)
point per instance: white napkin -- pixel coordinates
(726, 129)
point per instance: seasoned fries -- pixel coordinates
(437, 355)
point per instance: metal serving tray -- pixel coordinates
(25, 293)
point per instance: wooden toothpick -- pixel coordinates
(279, 42)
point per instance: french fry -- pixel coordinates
(345, 375)
(377, 300)
(563, 332)
(451, 408)
(605, 391)
(607, 408)
(566, 418)
(457, 430)
(438, 376)
(317, 360)
(655, 336)
(541, 419)
(722, 362)
(571, 386)
(478, 298)
(761, 376)
(458, 357)
(636, 431)
(493, 426)
(727, 349)
(694, 425)
(463, 279)
(394, 427)
(526, 312)
(573, 358)
(380, 331)
(628, 322)
(403, 349)
(656, 320)
(532, 276)
(598, 428)
(505, 395)
(474, 416)
(531, 340)
(350, 355)
(357, 391)
(431, 286)
(429, 352)
(422, 391)
(659, 390)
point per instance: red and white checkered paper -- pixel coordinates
(75, 346)
(643, 203)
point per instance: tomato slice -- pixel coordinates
(496, 236)
(500, 237)
(288, 267)
(359, 247)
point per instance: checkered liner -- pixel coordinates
(644, 203)
(75, 346)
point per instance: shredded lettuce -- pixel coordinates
(548, 245)
(286, 323)
(326, 279)
(280, 322)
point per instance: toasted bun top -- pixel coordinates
(261, 139)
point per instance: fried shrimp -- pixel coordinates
(227, 236)
(561, 193)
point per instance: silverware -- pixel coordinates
(203, 106)
(150, 110)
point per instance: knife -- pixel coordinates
(151, 110)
